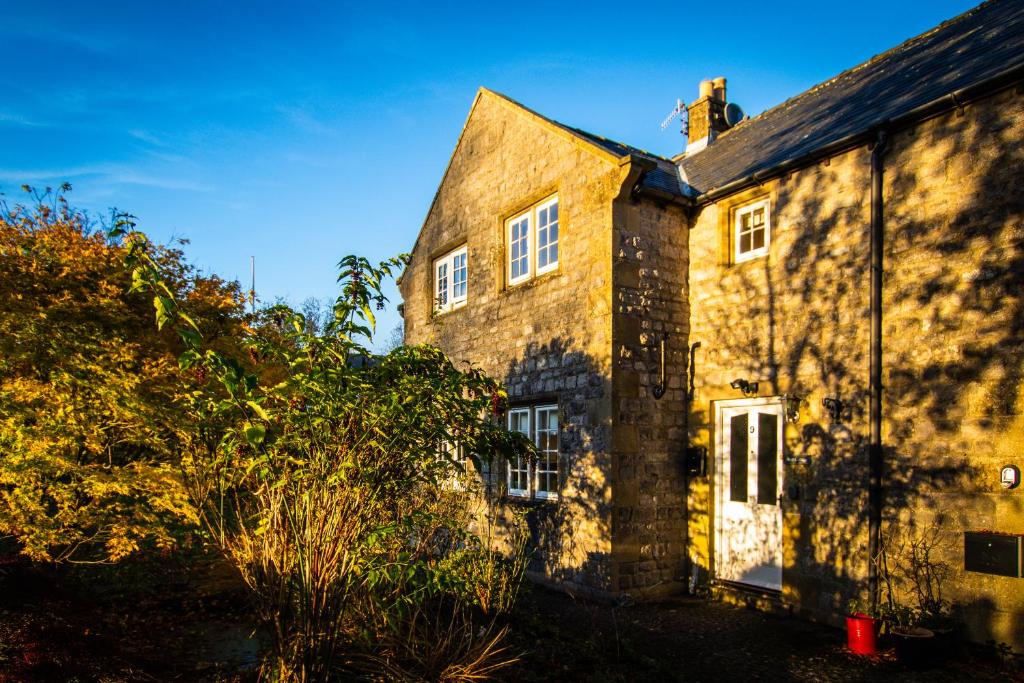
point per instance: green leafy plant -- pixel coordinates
(318, 468)
(862, 606)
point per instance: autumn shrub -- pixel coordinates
(324, 474)
(91, 395)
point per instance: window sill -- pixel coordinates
(525, 501)
(451, 309)
(532, 282)
(749, 259)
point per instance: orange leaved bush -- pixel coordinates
(90, 391)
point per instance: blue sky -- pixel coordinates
(298, 132)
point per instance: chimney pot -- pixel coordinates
(706, 115)
(719, 87)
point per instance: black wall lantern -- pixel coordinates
(834, 406)
(791, 403)
(748, 388)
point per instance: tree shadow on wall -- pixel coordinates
(953, 343)
(570, 539)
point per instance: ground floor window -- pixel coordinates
(528, 478)
(463, 470)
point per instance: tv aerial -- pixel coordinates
(678, 111)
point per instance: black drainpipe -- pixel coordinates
(875, 367)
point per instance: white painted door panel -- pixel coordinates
(748, 488)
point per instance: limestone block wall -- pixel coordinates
(649, 434)
(798, 321)
(954, 356)
(548, 340)
(795, 321)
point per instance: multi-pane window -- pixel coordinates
(452, 462)
(519, 466)
(459, 470)
(538, 479)
(547, 236)
(451, 280)
(459, 272)
(519, 249)
(752, 231)
(545, 482)
(533, 241)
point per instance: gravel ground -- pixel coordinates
(694, 640)
(178, 621)
(152, 621)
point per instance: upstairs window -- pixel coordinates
(752, 231)
(547, 236)
(451, 280)
(519, 249)
(538, 479)
(533, 242)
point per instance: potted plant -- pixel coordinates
(937, 617)
(862, 626)
(914, 642)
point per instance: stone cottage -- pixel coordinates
(751, 365)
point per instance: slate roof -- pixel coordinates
(977, 45)
(665, 177)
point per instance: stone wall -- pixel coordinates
(954, 359)
(548, 340)
(798, 321)
(649, 434)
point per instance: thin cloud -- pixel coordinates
(104, 173)
(147, 137)
(314, 161)
(305, 121)
(101, 44)
(12, 119)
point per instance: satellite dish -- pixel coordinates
(733, 114)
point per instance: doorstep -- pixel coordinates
(751, 597)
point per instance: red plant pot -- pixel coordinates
(862, 633)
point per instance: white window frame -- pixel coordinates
(531, 216)
(539, 470)
(536, 241)
(531, 469)
(740, 257)
(453, 455)
(468, 470)
(514, 465)
(449, 262)
(530, 247)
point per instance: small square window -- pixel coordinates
(451, 280)
(752, 231)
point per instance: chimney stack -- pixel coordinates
(706, 115)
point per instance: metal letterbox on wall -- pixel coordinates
(697, 461)
(991, 553)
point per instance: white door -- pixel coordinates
(748, 489)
